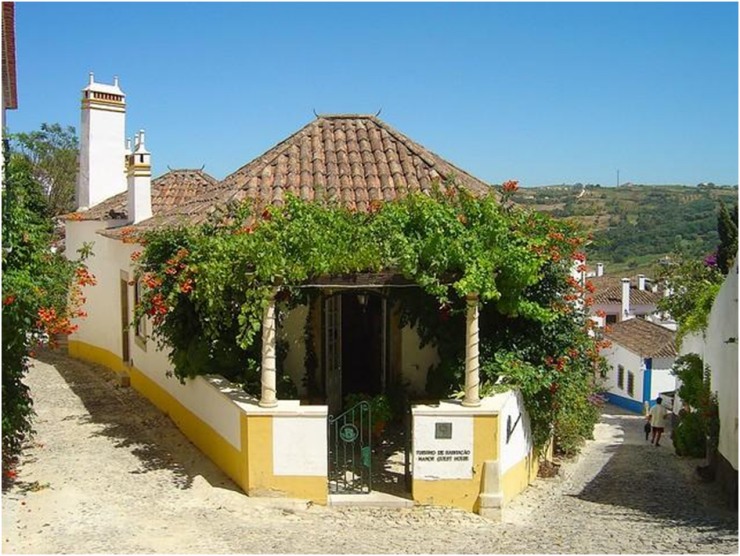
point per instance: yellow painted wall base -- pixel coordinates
(250, 468)
(459, 493)
(517, 478)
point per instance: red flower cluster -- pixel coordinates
(84, 278)
(511, 186)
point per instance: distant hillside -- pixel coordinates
(634, 226)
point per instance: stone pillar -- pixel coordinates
(268, 397)
(472, 378)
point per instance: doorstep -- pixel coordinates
(371, 500)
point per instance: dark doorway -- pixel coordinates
(362, 343)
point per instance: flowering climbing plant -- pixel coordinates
(208, 285)
(42, 294)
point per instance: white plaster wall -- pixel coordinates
(662, 379)
(299, 445)
(427, 446)
(415, 362)
(617, 355)
(102, 327)
(293, 330)
(516, 447)
(721, 356)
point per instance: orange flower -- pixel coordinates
(510, 186)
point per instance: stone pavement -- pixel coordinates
(108, 473)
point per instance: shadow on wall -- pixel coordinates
(660, 485)
(133, 423)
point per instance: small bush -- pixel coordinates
(689, 438)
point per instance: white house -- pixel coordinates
(717, 347)
(640, 359)
(275, 445)
(618, 299)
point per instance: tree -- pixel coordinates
(39, 297)
(52, 152)
(727, 230)
(694, 284)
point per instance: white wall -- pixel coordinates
(618, 355)
(102, 328)
(662, 379)
(516, 447)
(720, 354)
(299, 444)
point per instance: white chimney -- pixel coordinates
(139, 182)
(625, 299)
(102, 166)
(599, 269)
(641, 282)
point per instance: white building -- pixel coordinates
(281, 445)
(619, 299)
(640, 360)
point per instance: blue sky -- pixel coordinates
(545, 93)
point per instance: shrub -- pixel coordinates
(689, 438)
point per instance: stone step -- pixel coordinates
(371, 500)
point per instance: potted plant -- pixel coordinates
(380, 410)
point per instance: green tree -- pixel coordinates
(39, 297)
(694, 286)
(52, 152)
(727, 231)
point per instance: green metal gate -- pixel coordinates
(350, 451)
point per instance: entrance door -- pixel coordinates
(354, 346)
(333, 351)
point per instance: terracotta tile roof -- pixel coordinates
(168, 191)
(608, 290)
(352, 158)
(643, 337)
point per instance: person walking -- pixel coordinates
(657, 419)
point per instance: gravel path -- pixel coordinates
(108, 473)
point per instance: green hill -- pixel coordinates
(634, 226)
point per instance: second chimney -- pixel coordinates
(641, 282)
(599, 269)
(625, 299)
(139, 182)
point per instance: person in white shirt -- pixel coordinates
(657, 417)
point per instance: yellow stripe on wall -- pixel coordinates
(251, 468)
(212, 444)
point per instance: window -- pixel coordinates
(631, 384)
(611, 319)
(620, 377)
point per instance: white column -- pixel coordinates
(269, 324)
(472, 378)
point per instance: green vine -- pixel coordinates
(209, 286)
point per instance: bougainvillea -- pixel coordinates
(208, 285)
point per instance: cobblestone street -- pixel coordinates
(108, 473)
